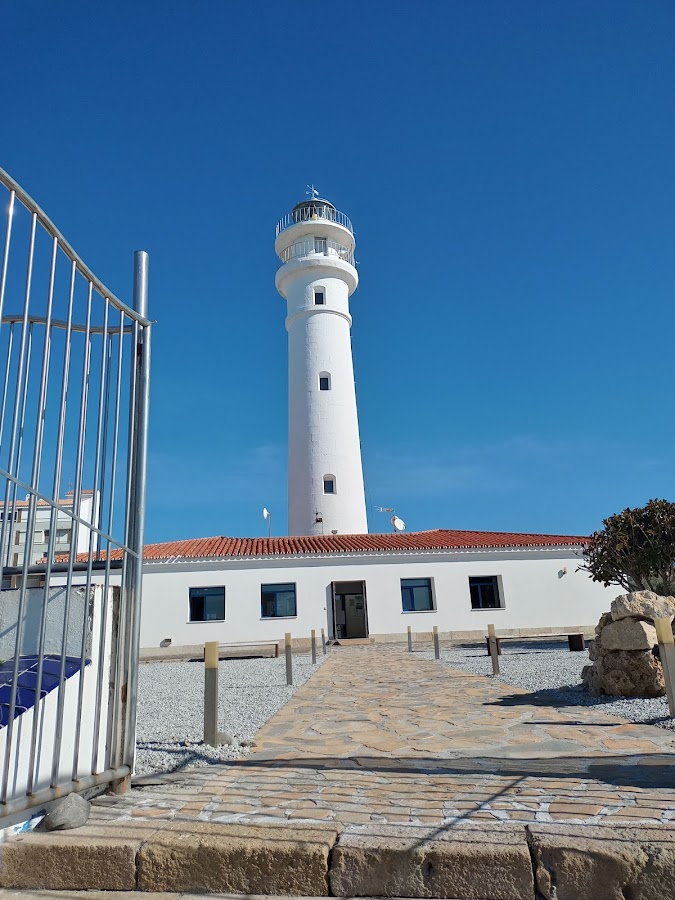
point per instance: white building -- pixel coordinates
(16, 530)
(354, 586)
(315, 243)
(330, 573)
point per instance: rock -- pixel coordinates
(629, 634)
(595, 648)
(605, 619)
(643, 605)
(71, 812)
(625, 673)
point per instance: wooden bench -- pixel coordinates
(242, 644)
(575, 640)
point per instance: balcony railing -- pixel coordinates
(317, 247)
(312, 212)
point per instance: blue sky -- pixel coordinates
(508, 169)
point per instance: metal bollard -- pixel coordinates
(313, 647)
(289, 658)
(323, 641)
(664, 634)
(409, 639)
(211, 693)
(437, 646)
(494, 655)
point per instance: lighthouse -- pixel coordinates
(317, 276)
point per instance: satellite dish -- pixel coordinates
(266, 513)
(399, 524)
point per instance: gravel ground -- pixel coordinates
(553, 674)
(171, 708)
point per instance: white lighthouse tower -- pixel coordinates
(315, 243)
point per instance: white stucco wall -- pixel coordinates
(536, 595)
(46, 708)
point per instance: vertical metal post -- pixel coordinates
(289, 658)
(494, 653)
(211, 693)
(323, 641)
(664, 634)
(409, 639)
(437, 647)
(137, 521)
(313, 647)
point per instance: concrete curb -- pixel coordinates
(464, 862)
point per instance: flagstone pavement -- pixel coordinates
(378, 735)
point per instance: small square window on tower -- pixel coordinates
(328, 484)
(319, 298)
(324, 381)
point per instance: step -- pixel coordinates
(465, 862)
(352, 642)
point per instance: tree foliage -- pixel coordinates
(635, 549)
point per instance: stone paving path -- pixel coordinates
(381, 736)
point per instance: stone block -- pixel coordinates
(572, 862)
(642, 605)
(628, 634)
(238, 859)
(472, 863)
(63, 861)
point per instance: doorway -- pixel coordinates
(350, 614)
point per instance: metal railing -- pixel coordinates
(317, 247)
(312, 212)
(74, 396)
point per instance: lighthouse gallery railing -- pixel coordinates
(310, 213)
(317, 246)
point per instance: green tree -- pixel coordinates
(635, 549)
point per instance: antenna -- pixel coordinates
(397, 524)
(268, 515)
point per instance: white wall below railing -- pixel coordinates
(46, 710)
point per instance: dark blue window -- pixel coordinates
(207, 604)
(485, 592)
(416, 594)
(277, 600)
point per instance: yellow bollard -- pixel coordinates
(494, 652)
(289, 658)
(664, 634)
(211, 693)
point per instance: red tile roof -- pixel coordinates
(438, 539)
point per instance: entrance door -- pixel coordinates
(350, 617)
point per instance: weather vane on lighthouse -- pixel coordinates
(312, 192)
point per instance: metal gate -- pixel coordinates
(74, 389)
